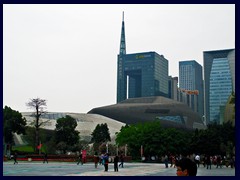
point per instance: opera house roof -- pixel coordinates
(169, 112)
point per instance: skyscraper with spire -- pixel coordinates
(140, 74)
(121, 81)
(122, 41)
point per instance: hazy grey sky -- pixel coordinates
(67, 54)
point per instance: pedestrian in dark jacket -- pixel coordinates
(105, 161)
(166, 161)
(122, 160)
(208, 161)
(80, 159)
(96, 159)
(115, 161)
(15, 158)
(45, 158)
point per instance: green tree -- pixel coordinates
(39, 105)
(101, 134)
(154, 139)
(13, 122)
(66, 134)
(216, 139)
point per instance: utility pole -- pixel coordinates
(107, 147)
(126, 150)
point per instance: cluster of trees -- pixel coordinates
(13, 122)
(156, 140)
(64, 138)
(216, 139)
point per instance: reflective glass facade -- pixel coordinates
(176, 119)
(220, 87)
(147, 75)
(218, 66)
(191, 78)
(141, 74)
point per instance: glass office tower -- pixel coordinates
(140, 74)
(191, 78)
(219, 81)
(220, 87)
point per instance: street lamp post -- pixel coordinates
(107, 147)
(117, 150)
(126, 150)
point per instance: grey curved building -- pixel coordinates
(169, 112)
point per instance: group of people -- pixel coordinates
(104, 160)
(218, 161)
(188, 167)
(185, 166)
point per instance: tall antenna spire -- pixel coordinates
(122, 41)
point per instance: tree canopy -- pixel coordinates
(66, 134)
(155, 140)
(13, 122)
(216, 139)
(101, 134)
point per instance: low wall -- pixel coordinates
(62, 158)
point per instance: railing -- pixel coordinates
(61, 158)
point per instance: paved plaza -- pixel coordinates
(24, 168)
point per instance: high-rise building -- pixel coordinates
(219, 82)
(173, 88)
(191, 79)
(140, 74)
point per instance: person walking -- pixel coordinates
(204, 160)
(101, 159)
(232, 162)
(115, 161)
(166, 161)
(171, 158)
(197, 160)
(105, 162)
(45, 158)
(80, 159)
(96, 159)
(219, 161)
(15, 158)
(208, 161)
(122, 160)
